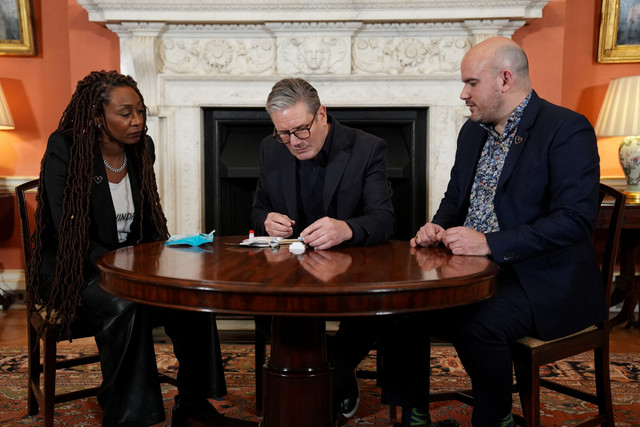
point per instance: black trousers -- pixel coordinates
(404, 345)
(130, 393)
(481, 334)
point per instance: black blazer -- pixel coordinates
(546, 204)
(103, 235)
(355, 187)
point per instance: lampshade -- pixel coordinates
(6, 121)
(620, 111)
(620, 116)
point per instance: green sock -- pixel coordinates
(507, 421)
(415, 417)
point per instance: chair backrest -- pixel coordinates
(613, 226)
(25, 225)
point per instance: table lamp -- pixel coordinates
(6, 121)
(6, 199)
(620, 116)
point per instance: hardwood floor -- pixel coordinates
(13, 332)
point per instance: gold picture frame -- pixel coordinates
(16, 28)
(619, 39)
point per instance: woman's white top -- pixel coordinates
(123, 204)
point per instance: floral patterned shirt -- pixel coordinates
(481, 215)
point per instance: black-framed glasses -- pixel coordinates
(302, 133)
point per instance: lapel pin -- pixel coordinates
(518, 139)
(97, 179)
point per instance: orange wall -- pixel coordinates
(39, 87)
(566, 40)
(561, 47)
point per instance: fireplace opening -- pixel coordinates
(231, 159)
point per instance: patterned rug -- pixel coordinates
(447, 373)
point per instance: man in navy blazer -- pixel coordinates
(523, 191)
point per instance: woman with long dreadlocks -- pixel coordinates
(98, 193)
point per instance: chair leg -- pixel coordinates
(50, 338)
(603, 384)
(260, 358)
(528, 378)
(33, 368)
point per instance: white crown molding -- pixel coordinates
(250, 11)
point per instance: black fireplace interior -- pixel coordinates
(232, 157)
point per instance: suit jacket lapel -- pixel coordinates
(288, 172)
(134, 180)
(335, 169)
(336, 164)
(472, 155)
(104, 213)
(522, 134)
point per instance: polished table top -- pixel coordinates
(343, 281)
(300, 291)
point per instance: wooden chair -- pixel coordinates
(42, 394)
(529, 354)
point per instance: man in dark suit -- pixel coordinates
(327, 183)
(320, 180)
(524, 191)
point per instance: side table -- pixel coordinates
(7, 206)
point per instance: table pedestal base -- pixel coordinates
(297, 377)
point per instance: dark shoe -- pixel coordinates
(444, 423)
(201, 413)
(347, 394)
(195, 413)
(415, 416)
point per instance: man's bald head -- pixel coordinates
(501, 53)
(496, 77)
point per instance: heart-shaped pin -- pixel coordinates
(97, 179)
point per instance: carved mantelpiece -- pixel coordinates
(252, 11)
(188, 54)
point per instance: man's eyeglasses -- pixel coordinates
(302, 133)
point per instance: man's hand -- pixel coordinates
(278, 225)
(465, 241)
(429, 234)
(326, 233)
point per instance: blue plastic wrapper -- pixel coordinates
(190, 239)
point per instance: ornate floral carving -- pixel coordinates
(217, 56)
(421, 56)
(411, 52)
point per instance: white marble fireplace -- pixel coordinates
(191, 54)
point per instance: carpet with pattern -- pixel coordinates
(447, 373)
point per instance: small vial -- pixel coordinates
(251, 234)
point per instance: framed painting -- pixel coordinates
(16, 28)
(619, 39)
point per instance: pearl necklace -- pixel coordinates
(118, 170)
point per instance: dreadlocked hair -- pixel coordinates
(79, 120)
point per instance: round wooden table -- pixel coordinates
(300, 291)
